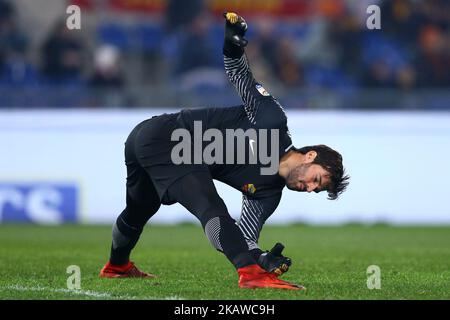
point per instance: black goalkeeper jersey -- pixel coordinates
(260, 110)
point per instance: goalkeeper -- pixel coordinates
(154, 179)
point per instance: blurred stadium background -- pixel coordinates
(68, 99)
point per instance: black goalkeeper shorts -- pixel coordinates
(149, 147)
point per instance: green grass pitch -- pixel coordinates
(330, 261)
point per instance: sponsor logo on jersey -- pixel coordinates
(249, 188)
(262, 91)
(251, 143)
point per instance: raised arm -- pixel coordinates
(262, 109)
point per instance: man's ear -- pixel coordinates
(310, 156)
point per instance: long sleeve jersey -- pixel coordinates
(260, 110)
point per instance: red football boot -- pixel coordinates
(128, 270)
(253, 276)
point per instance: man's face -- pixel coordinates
(308, 177)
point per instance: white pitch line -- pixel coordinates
(76, 292)
(88, 293)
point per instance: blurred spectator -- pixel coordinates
(107, 80)
(180, 13)
(345, 37)
(279, 55)
(386, 63)
(435, 12)
(14, 67)
(62, 55)
(12, 40)
(107, 70)
(267, 42)
(198, 63)
(195, 49)
(434, 57)
(6, 12)
(402, 20)
(289, 69)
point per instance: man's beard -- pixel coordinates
(297, 174)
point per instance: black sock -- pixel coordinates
(124, 240)
(226, 237)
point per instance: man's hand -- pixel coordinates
(235, 29)
(273, 261)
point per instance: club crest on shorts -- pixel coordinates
(249, 188)
(262, 91)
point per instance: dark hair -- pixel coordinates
(331, 161)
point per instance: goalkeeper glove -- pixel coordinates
(235, 29)
(273, 261)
